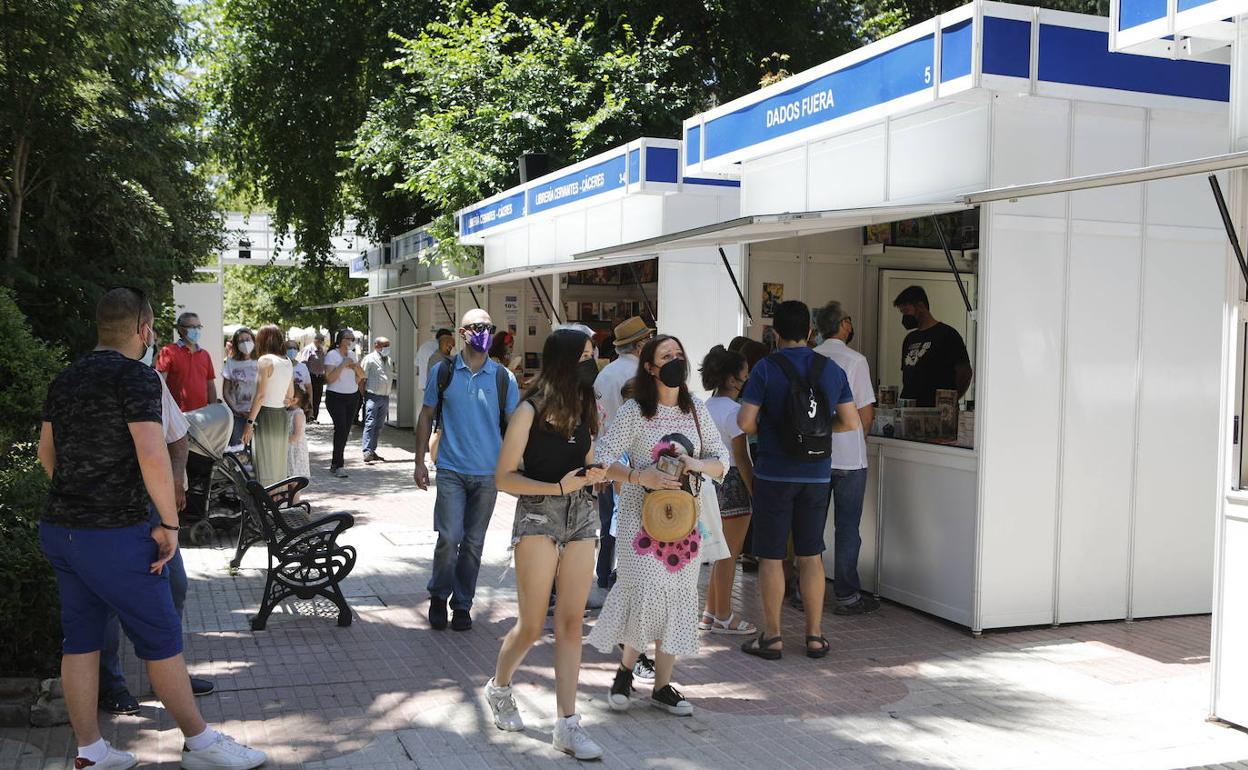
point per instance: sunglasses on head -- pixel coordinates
(142, 295)
(479, 327)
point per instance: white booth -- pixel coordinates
(1095, 317)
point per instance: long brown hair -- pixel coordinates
(646, 385)
(560, 400)
(270, 341)
(239, 355)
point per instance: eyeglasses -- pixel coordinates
(479, 327)
(189, 326)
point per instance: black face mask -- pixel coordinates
(587, 372)
(910, 321)
(850, 338)
(673, 373)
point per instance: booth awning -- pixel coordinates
(769, 227)
(521, 273)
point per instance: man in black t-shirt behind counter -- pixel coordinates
(104, 448)
(933, 356)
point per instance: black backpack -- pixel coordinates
(501, 384)
(806, 427)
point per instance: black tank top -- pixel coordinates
(549, 455)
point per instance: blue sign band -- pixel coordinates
(1132, 13)
(1007, 47)
(956, 48)
(693, 145)
(594, 180)
(661, 163)
(492, 214)
(901, 71)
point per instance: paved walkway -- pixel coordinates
(899, 689)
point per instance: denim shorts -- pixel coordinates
(562, 518)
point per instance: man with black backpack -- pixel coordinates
(470, 399)
(794, 400)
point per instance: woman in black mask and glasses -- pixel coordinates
(655, 599)
(546, 462)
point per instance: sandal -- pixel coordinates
(821, 650)
(740, 627)
(761, 648)
(707, 621)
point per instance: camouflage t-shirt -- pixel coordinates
(97, 483)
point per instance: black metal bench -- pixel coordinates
(283, 493)
(304, 561)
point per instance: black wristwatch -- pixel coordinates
(250, 421)
(169, 527)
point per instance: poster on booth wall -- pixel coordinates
(773, 295)
(511, 312)
(534, 315)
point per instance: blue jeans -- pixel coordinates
(606, 543)
(376, 410)
(848, 489)
(461, 515)
(112, 678)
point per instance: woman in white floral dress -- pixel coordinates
(655, 599)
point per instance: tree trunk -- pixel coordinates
(17, 196)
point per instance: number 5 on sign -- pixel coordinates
(927, 74)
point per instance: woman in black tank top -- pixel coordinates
(545, 462)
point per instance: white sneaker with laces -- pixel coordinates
(570, 738)
(224, 754)
(503, 706)
(114, 760)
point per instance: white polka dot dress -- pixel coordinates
(648, 603)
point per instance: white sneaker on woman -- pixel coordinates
(224, 754)
(503, 706)
(571, 738)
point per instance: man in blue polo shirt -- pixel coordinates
(467, 403)
(790, 494)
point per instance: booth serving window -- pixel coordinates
(602, 297)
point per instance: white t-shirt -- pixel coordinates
(607, 386)
(849, 450)
(279, 382)
(243, 375)
(171, 418)
(303, 377)
(346, 382)
(724, 411)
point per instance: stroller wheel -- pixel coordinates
(202, 533)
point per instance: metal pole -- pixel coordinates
(450, 317)
(654, 319)
(553, 310)
(540, 302)
(1229, 224)
(736, 285)
(475, 301)
(409, 314)
(940, 234)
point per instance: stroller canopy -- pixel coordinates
(210, 430)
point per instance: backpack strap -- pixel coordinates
(813, 374)
(445, 373)
(502, 384)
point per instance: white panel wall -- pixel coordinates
(569, 235)
(845, 170)
(603, 226)
(1102, 347)
(938, 152)
(715, 318)
(775, 184)
(1022, 280)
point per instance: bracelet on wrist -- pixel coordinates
(170, 527)
(561, 492)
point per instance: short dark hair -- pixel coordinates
(443, 333)
(912, 295)
(720, 364)
(188, 315)
(792, 321)
(120, 312)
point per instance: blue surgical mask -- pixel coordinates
(292, 354)
(192, 335)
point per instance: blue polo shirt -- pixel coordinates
(470, 438)
(768, 389)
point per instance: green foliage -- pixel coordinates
(30, 626)
(260, 294)
(878, 19)
(291, 81)
(477, 90)
(101, 177)
(26, 372)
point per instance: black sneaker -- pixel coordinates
(644, 668)
(670, 700)
(437, 613)
(866, 603)
(121, 703)
(202, 686)
(461, 620)
(621, 690)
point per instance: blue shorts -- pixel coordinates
(782, 508)
(102, 569)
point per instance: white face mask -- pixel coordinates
(246, 346)
(147, 356)
(385, 352)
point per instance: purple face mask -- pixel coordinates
(480, 341)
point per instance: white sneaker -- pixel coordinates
(115, 760)
(340, 472)
(570, 738)
(503, 705)
(225, 754)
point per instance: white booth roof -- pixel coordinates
(1201, 30)
(984, 45)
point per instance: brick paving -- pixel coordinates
(899, 689)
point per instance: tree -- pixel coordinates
(477, 90)
(880, 18)
(101, 179)
(261, 294)
(290, 81)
